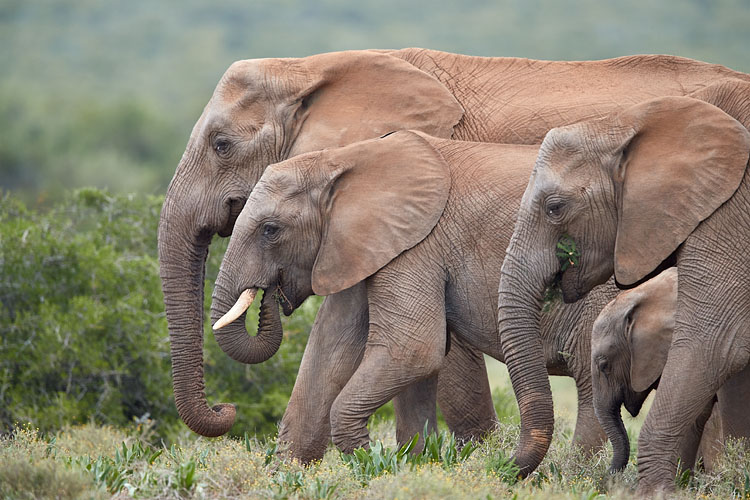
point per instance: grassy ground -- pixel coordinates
(100, 462)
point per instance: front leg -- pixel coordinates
(334, 349)
(588, 433)
(406, 344)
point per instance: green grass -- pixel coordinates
(91, 461)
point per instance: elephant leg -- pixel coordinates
(333, 352)
(405, 345)
(681, 398)
(733, 405)
(464, 394)
(691, 440)
(588, 433)
(712, 440)
(414, 406)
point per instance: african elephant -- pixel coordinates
(267, 110)
(661, 183)
(396, 213)
(630, 341)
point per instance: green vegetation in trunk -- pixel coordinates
(568, 256)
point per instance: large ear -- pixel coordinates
(651, 325)
(681, 161)
(360, 94)
(384, 197)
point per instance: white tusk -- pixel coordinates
(246, 298)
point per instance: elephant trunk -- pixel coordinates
(182, 258)
(233, 338)
(608, 413)
(519, 304)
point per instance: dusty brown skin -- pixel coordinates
(629, 346)
(264, 111)
(661, 182)
(435, 262)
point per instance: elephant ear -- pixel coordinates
(356, 95)
(650, 327)
(681, 159)
(383, 197)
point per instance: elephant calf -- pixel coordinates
(630, 342)
(424, 222)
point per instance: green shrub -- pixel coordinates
(84, 332)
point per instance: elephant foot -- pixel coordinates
(304, 449)
(348, 431)
(348, 442)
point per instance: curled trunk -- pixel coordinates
(182, 268)
(234, 339)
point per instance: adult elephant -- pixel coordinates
(395, 212)
(663, 182)
(266, 110)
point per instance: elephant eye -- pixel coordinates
(603, 365)
(221, 146)
(270, 230)
(553, 208)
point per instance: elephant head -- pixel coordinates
(323, 221)
(616, 195)
(264, 111)
(630, 341)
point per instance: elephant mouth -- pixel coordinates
(286, 305)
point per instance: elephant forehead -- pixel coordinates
(546, 181)
(241, 76)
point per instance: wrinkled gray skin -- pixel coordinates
(266, 110)
(439, 273)
(664, 181)
(629, 346)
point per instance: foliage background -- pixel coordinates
(105, 94)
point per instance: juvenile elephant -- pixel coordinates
(663, 182)
(266, 110)
(629, 346)
(396, 213)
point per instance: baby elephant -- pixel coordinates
(629, 346)
(425, 223)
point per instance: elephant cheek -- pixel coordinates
(570, 287)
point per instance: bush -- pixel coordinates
(84, 330)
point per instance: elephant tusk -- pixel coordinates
(243, 302)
